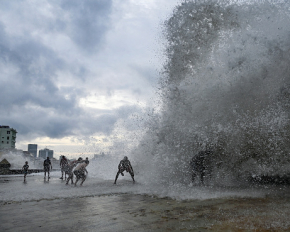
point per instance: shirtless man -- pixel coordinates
(125, 165)
(69, 170)
(80, 171)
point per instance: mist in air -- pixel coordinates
(225, 88)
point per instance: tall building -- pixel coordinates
(45, 153)
(32, 148)
(7, 137)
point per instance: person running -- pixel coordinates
(63, 166)
(80, 171)
(69, 170)
(47, 167)
(125, 165)
(25, 170)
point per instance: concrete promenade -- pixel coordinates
(134, 212)
(126, 212)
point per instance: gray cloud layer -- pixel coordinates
(54, 54)
(31, 101)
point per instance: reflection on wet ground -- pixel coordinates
(130, 212)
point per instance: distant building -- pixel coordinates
(27, 155)
(32, 148)
(45, 153)
(7, 137)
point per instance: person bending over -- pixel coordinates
(80, 171)
(69, 170)
(125, 165)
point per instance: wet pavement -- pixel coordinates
(128, 212)
(51, 208)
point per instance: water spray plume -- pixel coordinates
(225, 87)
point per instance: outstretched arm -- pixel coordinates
(120, 165)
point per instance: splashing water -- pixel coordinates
(17, 159)
(225, 88)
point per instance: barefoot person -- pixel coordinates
(69, 170)
(25, 170)
(63, 166)
(80, 171)
(125, 165)
(47, 167)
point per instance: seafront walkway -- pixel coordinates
(132, 212)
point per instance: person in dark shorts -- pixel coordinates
(47, 167)
(125, 165)
(63, 166)
(25, 170)
(80, 171)
(69, 170)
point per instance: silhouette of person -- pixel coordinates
(25, 169)
(125, 165)
(47, 167)
(200, 165)
(63, 166)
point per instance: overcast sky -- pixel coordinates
(72, 72)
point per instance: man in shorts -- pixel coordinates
(80, 171)
(63, 166)
(69, 170)
(25, 170)
(125, 165)
(47, 167)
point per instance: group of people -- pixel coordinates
(71, 168)
(200, 166)
(46, 167)
(78, 168)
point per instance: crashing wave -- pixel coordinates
(225, 87)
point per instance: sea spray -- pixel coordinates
(17, 159)
(225, 88)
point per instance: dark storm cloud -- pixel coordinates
(87, 21)
(30, 74)
(31, 99)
